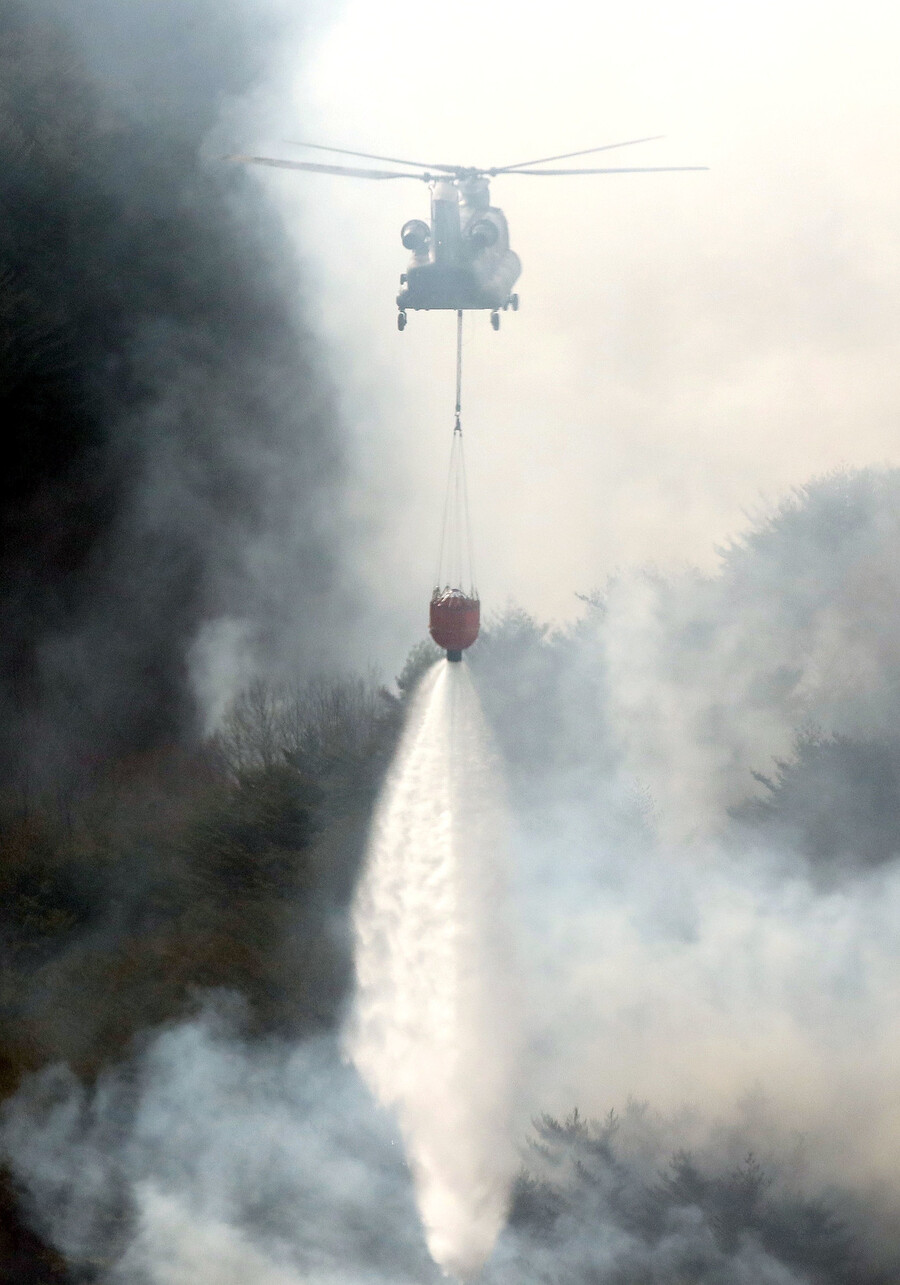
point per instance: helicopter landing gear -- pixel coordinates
(495, 319)
(401, 320)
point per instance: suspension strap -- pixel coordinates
(466, 532)
(456, 529)
(458, 425)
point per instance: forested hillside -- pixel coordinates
(132, 894)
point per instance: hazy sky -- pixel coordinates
(688, 346)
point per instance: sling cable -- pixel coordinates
(455, 610)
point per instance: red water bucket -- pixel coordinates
(454, 619)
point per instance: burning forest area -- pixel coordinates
(554, 952)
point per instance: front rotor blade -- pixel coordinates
(316, 168)
(370, 156)
(637, 169)
(566, 156)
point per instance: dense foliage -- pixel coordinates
(684, 1219)
(125, 900)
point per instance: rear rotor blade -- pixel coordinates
(315, 168)
(636, 169)
(566, 156)
(370, 156)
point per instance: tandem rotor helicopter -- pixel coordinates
(461, 259)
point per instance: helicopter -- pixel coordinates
(461, 259)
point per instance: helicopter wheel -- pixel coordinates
(495, 320)
(514, 302)
(401, 320)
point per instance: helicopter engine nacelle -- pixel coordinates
(481, 234)
(416, 235)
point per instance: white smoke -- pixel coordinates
(431, 1030)
(687, 979)
(215, 1159)
(711, 677)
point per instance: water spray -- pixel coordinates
(431, 1031)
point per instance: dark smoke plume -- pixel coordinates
(170, 469)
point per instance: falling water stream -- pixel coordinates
(431, 1031)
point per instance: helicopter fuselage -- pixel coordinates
(463, 260)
